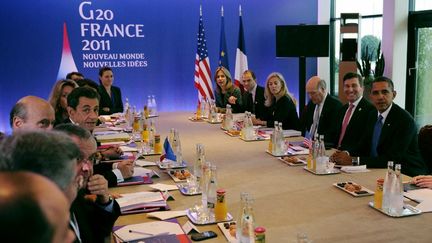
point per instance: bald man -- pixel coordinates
(30, 113)
(33, 209)
(320, 115)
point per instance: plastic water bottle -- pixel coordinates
(387, 187)
(247, 223)
(149, 105)
(154, 105)
(211, 193)
(396, 202)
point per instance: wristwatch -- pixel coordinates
(110, 199)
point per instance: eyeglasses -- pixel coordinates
(91, 160)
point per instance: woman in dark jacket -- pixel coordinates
(110, 96)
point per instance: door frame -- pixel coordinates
(416, 20)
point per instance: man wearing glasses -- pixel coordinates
(92, 221)
(83, 109)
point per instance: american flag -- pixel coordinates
(202, 65)
(307, 140)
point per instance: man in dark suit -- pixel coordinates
(353, 115)
(389, 135)
(83, 109)
(320, 115)
(91, 219)
(253, 98)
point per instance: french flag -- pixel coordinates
(241, 63)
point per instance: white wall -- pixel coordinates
(394, 44)
(323, 63)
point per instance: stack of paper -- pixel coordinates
(158, 231)
(354, 169)
(141, 202)
(121, 136)
(423, 196)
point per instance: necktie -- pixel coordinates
(345, 123)
(251, 103)
(376, 136)
(314, 126)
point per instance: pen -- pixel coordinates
(143, 233)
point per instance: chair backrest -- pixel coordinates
(425, 144)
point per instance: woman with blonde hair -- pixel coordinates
(58, 99)
(226, 91)
(280, 103)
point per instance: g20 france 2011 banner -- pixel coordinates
(150, 44)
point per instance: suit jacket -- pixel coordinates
(398, 142)
(283, 111)
(327, 121)
(94, 222)
(256, 107)
(222, 100)
(115, 104)
(354, 130)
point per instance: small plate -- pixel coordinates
(328, 172)
(362, 193)
(276, 155)
(226, 231)
(194, 119)
(256, 138)
(231, 134)
(169, 164)
(407, 211)
(219, 121)
(193, 217)
(185, 190)
(175, 178)
(299, 163)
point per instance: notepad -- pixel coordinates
(149, 229)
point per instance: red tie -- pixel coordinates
(345, 123)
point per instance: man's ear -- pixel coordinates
(17, 122)
(394, 94)
(70, 111)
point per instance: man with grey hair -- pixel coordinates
(91, 221)
(51, 154)
(32, 112)
(320, 115)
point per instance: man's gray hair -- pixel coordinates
(18, 110)
(48, 153)
(322, 84)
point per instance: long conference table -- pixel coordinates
(288, 200)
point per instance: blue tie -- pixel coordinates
(376, 136)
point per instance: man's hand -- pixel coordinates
(126, 168)
(232, 100)
(423, 181)
(341, 158)
(113, 152)
(98, 186)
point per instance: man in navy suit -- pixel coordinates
(353, 115)
(253, 98)
(320, 116)
(390, 134)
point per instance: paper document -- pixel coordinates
(354, 169)
(139, 171)
(135, 198)
(144, 230)
(128, 149)
(142, 163)
(163, 187)
(163, 215)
